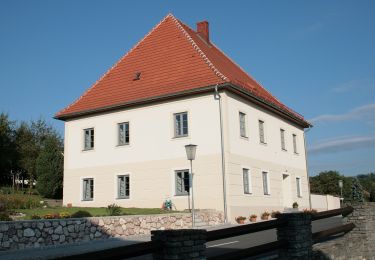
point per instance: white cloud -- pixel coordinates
(355, 85)
(342, 144)
(366, 112)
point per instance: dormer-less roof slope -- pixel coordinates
(172, 60)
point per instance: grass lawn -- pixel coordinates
(94, 211)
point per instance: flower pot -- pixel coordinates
(253, 219)
(240, 221)
(265, 217)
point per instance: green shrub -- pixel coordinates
(35, 216)
(114, 210)
(64, 215)
(81, 214)
(295, 205)
(4, 217)
(20, 201)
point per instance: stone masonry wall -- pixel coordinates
(37, 233)
(358, 243)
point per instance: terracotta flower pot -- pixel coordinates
(265, 217)
(240, 221)
(253, 219)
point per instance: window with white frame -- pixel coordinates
(298, 183)
(88, 139)
(282, 136)
(181, 124)
(182, 182)
(266, 188)
(295, 143)
(88, 189)
(262, 138)
(242, 118)
(123, 133)
(246, 181)
(123, 187)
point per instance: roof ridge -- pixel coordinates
(200, 52)
(235, 63)
(113, 66)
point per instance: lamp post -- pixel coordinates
(341, 184)
(190, 153)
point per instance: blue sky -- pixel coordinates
(318, 57)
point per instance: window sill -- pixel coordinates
(244, 138)
(284, 150)
(181, 195)
(296, 153)
(87, 200)
(88, 150)
(248, 194)
(123, 198)
(263, 143)
(123, 145)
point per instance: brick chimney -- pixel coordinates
(202, 29)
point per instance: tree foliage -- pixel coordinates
(49, 168)
(20, 147)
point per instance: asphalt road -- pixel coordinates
(223, 246)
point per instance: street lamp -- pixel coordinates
(190, 153)
(341, 184)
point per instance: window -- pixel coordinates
(282, 136)
(88, 189)
(242, 124)
(295, 143)
(123, 189)
(181, 124)
(89, 138)
(266, 188)
(123, 133)
(298, 183)
(182, 182)
(261, 132)
(246, 181)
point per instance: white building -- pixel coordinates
(125, 136)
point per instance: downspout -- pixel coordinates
(218, 97)
(307, 167)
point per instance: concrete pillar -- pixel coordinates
(180, 244)
(297, 231)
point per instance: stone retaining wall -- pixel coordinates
(37, 233)
(358, 243)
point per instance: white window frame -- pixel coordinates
(263, 123)
(249, 181)
(91, 132)
(182, 194)
(298, 187)
(118, 133)
(243, 124)
(176, 129)
(268, 191)
(83, 189)
(118, 186)
(282, 139)
(295, 143)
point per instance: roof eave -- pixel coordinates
(87, 112)
(269, 106)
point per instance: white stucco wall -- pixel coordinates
(154, 154)
(151, 157)
(258, 157)
(324, 202)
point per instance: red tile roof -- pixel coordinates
(172, 58)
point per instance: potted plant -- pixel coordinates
(240, 220)
(295, 205)
(275, 214)
(253, 218)
(265, 215)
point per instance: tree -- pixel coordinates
(357, 191)
(327, 183)
(49, 168)
(30, 140)
(7, 149)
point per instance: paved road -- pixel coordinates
(228, 245)
(214, 248)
